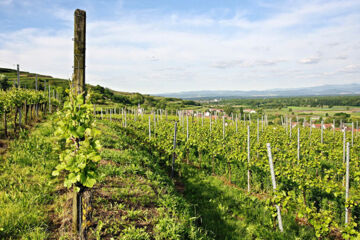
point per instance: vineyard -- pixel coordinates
(19, 106)
(214, 177)
(79, 161)
(310, 165)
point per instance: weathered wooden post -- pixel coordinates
(81, 199)
(18, 75)
(79, 50)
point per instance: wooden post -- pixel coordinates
(322, 132)
(352, 134)
(154, 123)
(5, 124)
(257, 132)
(223, 127)
(310, 131)
(202, 119)
(344, 145)
(248, 157)
(149, 127)
(18, 75)
(173, 155)
(81, 199)
(274, 185)
(187, 127)
(49, 98)
(347, 182)
(236, 123)
(79, 50)
(37, 105)
(298, 144)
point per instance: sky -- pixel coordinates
(162, 46)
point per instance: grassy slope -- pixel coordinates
(26, 189)
(228, 212)
(139, 192)
(134, 198)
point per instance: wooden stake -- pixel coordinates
(149, 127)
(274, 185)
(347, 183)
(173, 155)
(248, 157)
(298, 144)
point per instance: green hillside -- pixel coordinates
(101, 95)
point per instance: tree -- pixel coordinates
(4, 82)
(228, 109)
(137, 99)
(161, 104)
(241, 110)
(96, 98)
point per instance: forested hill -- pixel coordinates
(100, 95)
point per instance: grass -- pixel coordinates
(134, 198)
(230, 213)
(26, 185)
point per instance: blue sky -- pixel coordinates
(155, 46)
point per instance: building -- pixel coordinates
(249, 111)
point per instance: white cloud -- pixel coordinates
(155, 53)
(310, 60)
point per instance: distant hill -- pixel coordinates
(325, 90)
(107, 96)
